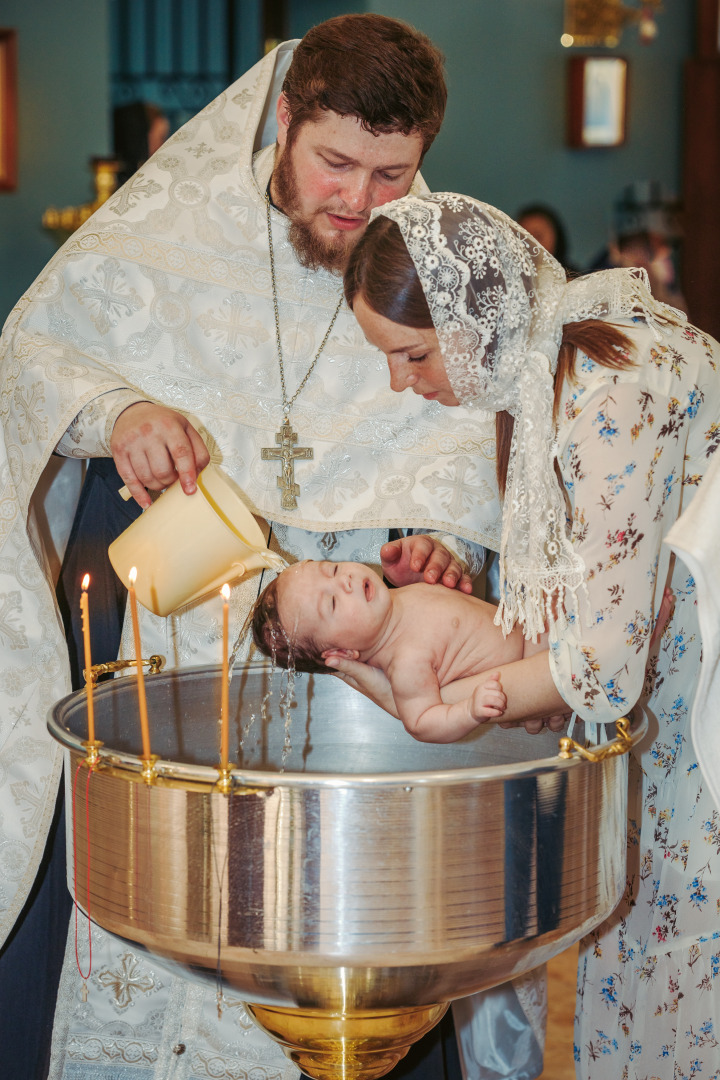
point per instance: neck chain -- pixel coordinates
(286, 451)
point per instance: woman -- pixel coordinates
(598, 386)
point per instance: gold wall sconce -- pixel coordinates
(600, 23)
(64, 221)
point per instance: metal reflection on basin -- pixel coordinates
(361, 870)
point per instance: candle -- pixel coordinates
(142, 700)
(225, 686)
(84, 611)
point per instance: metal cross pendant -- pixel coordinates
(286, 452)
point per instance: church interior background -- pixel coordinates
(505, 137)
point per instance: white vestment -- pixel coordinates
(695, 537)
(165, 294)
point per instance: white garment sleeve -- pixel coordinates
(694, 537)
(89, 433)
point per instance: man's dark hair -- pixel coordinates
(383, 71)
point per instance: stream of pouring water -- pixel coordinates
(287, 696)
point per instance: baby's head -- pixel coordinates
(314, 610)
(272, 638)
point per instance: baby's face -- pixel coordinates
(339, 605)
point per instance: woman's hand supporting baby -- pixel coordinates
(367, 680)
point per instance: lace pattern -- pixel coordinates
(498, 302)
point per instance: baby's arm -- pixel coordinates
(427, 718)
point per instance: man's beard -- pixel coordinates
(314, 251)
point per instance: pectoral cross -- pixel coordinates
(286, 452)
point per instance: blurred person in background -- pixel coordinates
(546, 225)
(647, 234)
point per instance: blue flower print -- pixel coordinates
(614, 694)
(668, 486)
(608, 992)
(698, 892)
(602, 1045)
(665, 755)
(615, 481)
(704, 1035)
(695, 400)
(711, 826)
(608, 429)
(677, 711)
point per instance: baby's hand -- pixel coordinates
(488, 701)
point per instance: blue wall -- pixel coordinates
(302, 14)
(503, 140)
(63, 93)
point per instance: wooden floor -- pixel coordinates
(559, 1064)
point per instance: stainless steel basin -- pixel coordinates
(360, 870)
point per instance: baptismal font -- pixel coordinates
(344, 880)
(349, 888)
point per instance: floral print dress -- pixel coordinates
(633, 448)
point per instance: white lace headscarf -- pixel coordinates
(498, 303)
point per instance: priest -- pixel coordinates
(198, 316)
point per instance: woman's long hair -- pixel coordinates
(383, 273)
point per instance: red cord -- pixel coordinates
(87, 831)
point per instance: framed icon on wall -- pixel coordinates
(8, 110)
(597, 101)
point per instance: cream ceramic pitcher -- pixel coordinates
(185, 546)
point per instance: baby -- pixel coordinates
(422, 637)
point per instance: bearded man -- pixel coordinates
(194, 313)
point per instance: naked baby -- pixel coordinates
(421, 636)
